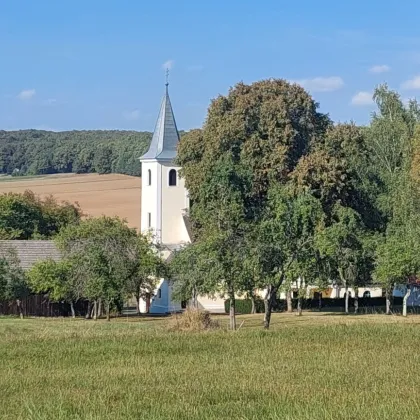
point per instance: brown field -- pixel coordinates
(110, 195)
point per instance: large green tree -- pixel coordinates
(103, 253)
(27, 216)
(254, 137)
(57, 280)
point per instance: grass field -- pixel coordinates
(323, 366)
(111, 195)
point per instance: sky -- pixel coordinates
(100, 64)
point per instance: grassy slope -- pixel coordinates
(314, 367)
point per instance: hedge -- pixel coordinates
(244, 306)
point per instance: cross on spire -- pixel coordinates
(167, 77)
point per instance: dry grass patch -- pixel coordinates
(193, 320)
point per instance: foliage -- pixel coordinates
(244, 306)
(102, 254)
(33, 152)
(27, 216)
(13, 286)
(53, 278)
(146, 267)
(109, 260)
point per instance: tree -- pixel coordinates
(13, 285)
(103, 252)
(26, 216)
(145, 266)
(283, 237)
(257, 133)
(342, 244)
(57, 279)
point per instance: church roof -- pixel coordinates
(165, 137)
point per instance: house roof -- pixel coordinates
(30, 252)
(165, 137)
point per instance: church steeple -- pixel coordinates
(165, 137)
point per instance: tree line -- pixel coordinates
(37, 152)
(282, 196)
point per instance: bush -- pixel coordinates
(193, 320)
(244, 306)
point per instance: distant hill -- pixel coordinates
(35, 152)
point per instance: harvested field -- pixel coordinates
(110, 195)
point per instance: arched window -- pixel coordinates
(172, 178)
(366, 295)
(149, 177)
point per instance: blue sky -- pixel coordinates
(99, 64)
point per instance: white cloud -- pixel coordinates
(167, 65)
(132, 115)
(322, 84)
(362, 98)
(412, 84)
(195, 68)
(383, 68)
(25, 95)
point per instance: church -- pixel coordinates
(164, 206)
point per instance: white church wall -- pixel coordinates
(174, 201)
(159, 302)
(150, 196)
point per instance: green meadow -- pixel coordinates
(318, 366)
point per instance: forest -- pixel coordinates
(36, 152)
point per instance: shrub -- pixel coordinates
(244, 306)
(193, 320)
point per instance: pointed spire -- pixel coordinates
(165, 137)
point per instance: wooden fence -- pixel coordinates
(40, 305)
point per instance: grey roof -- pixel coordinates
(165, 137)
(29, 252)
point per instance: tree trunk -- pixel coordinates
(356, 300)
(289, 301)
(99, 308)
(73, 312)
(20, 308)
(388, 301)
(253, 307)
(269, 300)
(108, 313)
(138, 304)
(299, 306)
(346, 300)
(95, 310)
(406, 296)
(89, 310)
(232, 316)
(194, 299)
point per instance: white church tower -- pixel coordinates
(164, 198)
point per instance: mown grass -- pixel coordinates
(310, 367)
